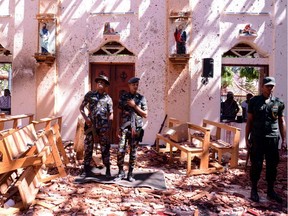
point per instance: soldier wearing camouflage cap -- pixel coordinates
(265, 124)
(98, 123)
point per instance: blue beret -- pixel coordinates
(133, 80)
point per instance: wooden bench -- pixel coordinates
(54, 123)
(221, 145)
(192, 150)
(15, 119)
(25, 156)
(48, 122)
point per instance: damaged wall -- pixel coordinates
(146, 29)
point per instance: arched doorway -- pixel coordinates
(243, 69)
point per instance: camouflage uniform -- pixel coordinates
(130, 118)
(99, 106)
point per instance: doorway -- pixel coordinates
(5, 85)
(118, 75)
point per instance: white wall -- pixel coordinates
(170, 89)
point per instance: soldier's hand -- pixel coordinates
(248, 144)
(131, 103)
(284, 146)
(88, 122)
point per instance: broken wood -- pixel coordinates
(79, 139)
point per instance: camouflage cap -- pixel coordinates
(103, 78)
(269, 81)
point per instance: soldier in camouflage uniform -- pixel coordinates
(98, 123)
(134, 108)
(265, 123)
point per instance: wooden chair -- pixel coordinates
(189, 150)
(172, 122)
(221, 146)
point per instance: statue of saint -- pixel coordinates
(44, 36)
(180, 38)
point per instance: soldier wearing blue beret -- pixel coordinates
(133, 109)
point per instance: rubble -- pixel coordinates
(211, 194)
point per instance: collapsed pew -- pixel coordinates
(53, 123)
(25, 159)
(16, 120)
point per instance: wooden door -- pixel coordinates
(118, 75)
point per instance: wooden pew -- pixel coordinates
(221, 146)
(25, 156)
(54, 123)
(190, 150)
(15, 119)
(23, 148)
(48, 122)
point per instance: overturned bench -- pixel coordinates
(54, 123)
(25, 157)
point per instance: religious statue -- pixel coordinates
(108, 29)
(44, 35)
(180, 38)
(248, 31)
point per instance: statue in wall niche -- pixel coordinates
(108, 29)
(180, 38)
(248, 31)
(44, 36)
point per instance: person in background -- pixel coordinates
(5, 102)
(98, 123)
(264, 124)
(229, 108)
(134, 108)
(244, 106)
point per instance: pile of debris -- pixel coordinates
(224, 193)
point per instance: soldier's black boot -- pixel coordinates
(272, 195)
(120, 175)
(87, 172)
(254, 193)
(130, 175)
(108, 173)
